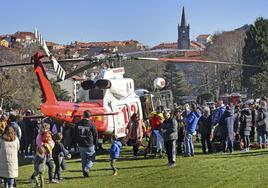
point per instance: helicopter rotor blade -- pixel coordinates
(154, 51)
(47, 62)
(79, 70)
(184, 60)
(15, 65)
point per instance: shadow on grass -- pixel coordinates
(120, 168)
(105, 160)
(23, 161)
(240, 154)
(23, 182)
(29, 184)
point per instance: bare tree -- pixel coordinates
(227, 46)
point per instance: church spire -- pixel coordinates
(183, 33)
(183, 19)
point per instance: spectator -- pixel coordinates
(3, 123)
(191, 123)
(29, 135)
(245, 126)
(67, 137)
(21, 124)
(9, 147)
(181, 130)
(252, 108)
(262, 124)
(170, 135)
(218, 112)
(39, 166)
(58, 154)
(155, 122)
(14, 125)
(134, 133)
(87, 140)
(44, 137)
(227, 129)
(114, 153)
(237, 123)
(205, 128)
(186, 112)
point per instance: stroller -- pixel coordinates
(155, 145)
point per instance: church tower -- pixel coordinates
(183, 33)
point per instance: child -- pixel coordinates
(44, 137)
(114, 153)
(39, 165)
(58, 154)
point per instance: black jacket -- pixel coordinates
(29, 129)
(59, 149)
(245, 122)
(205, 125)
(169, 129)
(86, 133)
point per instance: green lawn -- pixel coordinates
(215, 170)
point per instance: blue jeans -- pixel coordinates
(87, 157)
(261, 137)
(188, 144)
(9, 182)
(229, 144)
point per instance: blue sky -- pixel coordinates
(149, 21)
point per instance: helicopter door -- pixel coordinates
(123, 118)
(146, 105)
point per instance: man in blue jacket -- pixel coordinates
(218, 112)
(191, 122)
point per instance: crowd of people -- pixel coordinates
(34, 139)
(221, 128)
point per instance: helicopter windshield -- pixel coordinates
(96, 94)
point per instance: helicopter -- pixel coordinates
(110, 98)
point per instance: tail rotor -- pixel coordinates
(56, 66)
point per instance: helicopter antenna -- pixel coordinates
(57, 67)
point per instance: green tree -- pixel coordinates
(259, 84)
(61, 94)
(176, 81)
(255, 52)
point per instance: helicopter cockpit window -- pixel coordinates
(95, 94)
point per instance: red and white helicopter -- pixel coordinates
(110, 97)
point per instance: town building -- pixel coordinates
(54, 46)
(204, 38)
(4, 43)
(4, 40)
(23, 38)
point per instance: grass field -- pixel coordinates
(214, 170)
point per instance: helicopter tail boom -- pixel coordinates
(44, 83)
